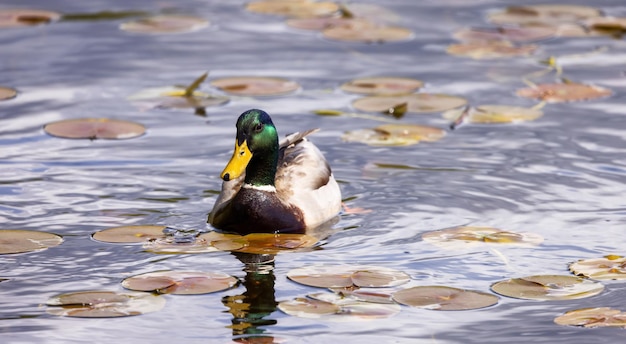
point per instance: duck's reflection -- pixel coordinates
(257, 301)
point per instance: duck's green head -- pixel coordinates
(256, 146)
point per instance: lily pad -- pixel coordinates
(20, 241)
(320, 23)
(95, 128)
(265, 243)
(607, 268)
(308, 308)
(255, 86)
(593, 317)
(366, 32)
(443, 298)
(25, 17)
(130, 234)
(512, 34)
(394, 135)
(612, 26)
(496, 114)
(490, 50)
(347, 276)
(170, 245)
(180, 282)
(382, 85)
(355, 309)
(165, 24)
(460, 237)
(548, 287)
(7, 93)
(565, 92)
(297, 9)
(416, 103)
(104, 304)
(543, 14)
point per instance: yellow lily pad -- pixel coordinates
(459, 237)
(443, 298)
(20, 241)
(366, 32)
(607, 268)
(297, 9)
(512, 34)
(490, 50)
(548, 287)
(565, 92)
(543, 14)
(394, 135)
(180, 282)
(255, 85)
(26, 17)
(7, 93)
(165, 24)
(130, 234)
(416, 103)
(104, 304)
(95, 128)
(382, 85)
(347, 276)
(593, 317)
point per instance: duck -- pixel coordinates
(274, 187)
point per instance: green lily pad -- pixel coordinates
(593, 317)
(130, 234)
(7, 93)
(394, 135)
(180, 282)
(20, 241)
(104, 304)
(416, 103)
(255, 86)
(347, 276)
(490, 50)
(165, 24)
(95, 128)
(565, 92)
(548, 287)
(295, 9)
(382, 85)
(464, 236)
(443, 298)
(26, 17)
(608, 268)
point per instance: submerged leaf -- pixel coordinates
(458, 237)
(564, 92)
(382, 85)
(25, 17)
(165, 24)
(104, 304)
(129, 234)
(95, 128)
(607, 268)
(394, 135)
(180, 282)
(20, 241)
(548, 287)
(444, 298)
(255, 85)
(416, 103)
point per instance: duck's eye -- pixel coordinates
(258, 128)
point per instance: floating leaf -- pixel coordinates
(7, 93)
(176, 98)
(444, 298)
(130, 234)
(365, 32)
(365, 295)
(593, 317)
(170, 245)
(180, 282)
(382, 85)
(20, 241)
(265, 243)
(548, 287)
(319, 24)
(497, 114)
(26, 17)
(607, 268)
(354, 309)
(394, 135)
(612, 26)
(103, 15)
(460, 237)
(513, 34)
(255, 85)
(490, 50)
(104, 304)
(416, 103)
(95, 128)
(565, 92)
(308, 308)
(165, 24)
(543, 14)
(298, 9)
(347, 276)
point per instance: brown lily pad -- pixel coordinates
(366, 32)
(104, 304)
(20, 241)
(265, 243)
(7, 93)
(565, 92)
(129, 234)
(354, 309)
(490, 50)
(347, 276)
(511, 34)
(593, 317)
(180, 282)
(296, 9)
(608, 268)
(320, 23)
(382, 85)
(416, 103)
(543, 14)
(611, 26)
(459, 237)
(165, 24)
(548, 287)
(496, 114)
(444, 298)
(26, 17)
(394, 135)
(255, 86)
(95, 128)
(308, 308)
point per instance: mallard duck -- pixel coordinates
(272, 187)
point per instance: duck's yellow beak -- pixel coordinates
(238, 163)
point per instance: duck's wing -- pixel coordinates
(304, 179)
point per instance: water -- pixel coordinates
(561, 176)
